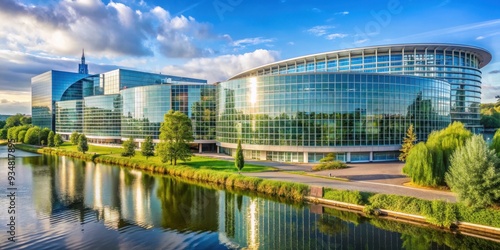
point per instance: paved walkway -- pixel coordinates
(383, 178)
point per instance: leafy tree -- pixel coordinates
(58, 141)
(431, 160)
(495, 142)
(175, 134)
(129, 147)
(25, 120)
(44, 135)
(474, 173)
(13, 132)
(2, 124)
(13, 121)
(20, 136)
(33, 136)
(147, 147)
(3, 133)
(83, 145)
(419, 165)
(239, 160)
(408, 143)
(74, 138)
(50, 139)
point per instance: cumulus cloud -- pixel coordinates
(112, 29)
(222, 67)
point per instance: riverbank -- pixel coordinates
(438, 213)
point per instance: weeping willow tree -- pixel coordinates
(428, 163)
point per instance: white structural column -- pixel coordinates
(306, 157)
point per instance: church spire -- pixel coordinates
(82, 67)
(83, 56)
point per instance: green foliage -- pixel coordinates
(3, 133)
(50, 139)
(147, 147)
(82, 144)
(428, 162)
(329, 162)
(13, 132)
(33, 136)
(58, 141)
(74, 138)
(348, 196)
(408, 143)
(17, 120)
(239, 160)
(20, 136)
(44, 135)
(175, 134)
(128, 147)
(329, 165)
(495, 143)
(475, 173)
(490, 116)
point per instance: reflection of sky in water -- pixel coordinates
(77, 205)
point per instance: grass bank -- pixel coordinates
(436, 212)
(202, 169)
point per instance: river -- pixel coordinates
(63, 203)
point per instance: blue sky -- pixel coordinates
(215, 39)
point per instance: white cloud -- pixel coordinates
(335, 35)
(361, 41)
(110, 30)
(320, 30)
(252, 41)
(222, 67)
(343, 13)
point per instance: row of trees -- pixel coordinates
(34, 135)
(456, 158)
(13, 121)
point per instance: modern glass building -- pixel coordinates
(356, 102)
(53, 86)
(123, 103)
(459, 65)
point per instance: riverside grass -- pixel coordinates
(292, 191)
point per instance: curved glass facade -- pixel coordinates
(459, 65)
(281, 117)
(69, 116)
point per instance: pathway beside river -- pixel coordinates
(383, 178)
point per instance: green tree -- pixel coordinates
(239, 160)
(74, 138)
(474, 173)
(58, 141)
(13, 121)
(147, 147)
(175, 134)
(44, 135)
(129, 147)
(3, 133)
(495, 142)
(428, 167)
(83, 145)
(50, 139)
(408, 143)
(33, 136)
(20, 136)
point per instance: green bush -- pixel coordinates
(475, 173)
(348, 196)
(329, 165)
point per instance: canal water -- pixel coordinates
(62, 203)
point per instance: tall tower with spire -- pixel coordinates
(82, 67)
